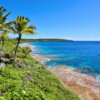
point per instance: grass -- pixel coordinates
(28, 79)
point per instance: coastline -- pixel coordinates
(85, 86)
(35, 56)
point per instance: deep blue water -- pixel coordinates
(82, 55)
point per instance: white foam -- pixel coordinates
(98, 78)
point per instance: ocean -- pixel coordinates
(84, 56)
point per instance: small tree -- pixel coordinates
(26, 50)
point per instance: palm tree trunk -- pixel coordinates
(17, 46)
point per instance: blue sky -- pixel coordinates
(72, 19)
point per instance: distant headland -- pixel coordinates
(44, 40)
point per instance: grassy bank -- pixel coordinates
(28, 79)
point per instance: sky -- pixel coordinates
(68, 19)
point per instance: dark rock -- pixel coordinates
(6, 55)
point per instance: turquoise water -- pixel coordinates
(82, 55)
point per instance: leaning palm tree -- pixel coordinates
(20, 26)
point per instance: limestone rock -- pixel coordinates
(2, 65)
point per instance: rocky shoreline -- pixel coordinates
(85, 86)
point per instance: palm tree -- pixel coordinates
(20, 26)
(4, 36)
(3, 18)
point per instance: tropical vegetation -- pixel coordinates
(21, 76)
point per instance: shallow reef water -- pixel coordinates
(82, 55)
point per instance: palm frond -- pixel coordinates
(32, 27)
(12, 28)
(5, 16)
(9, 23)
(28, 31)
